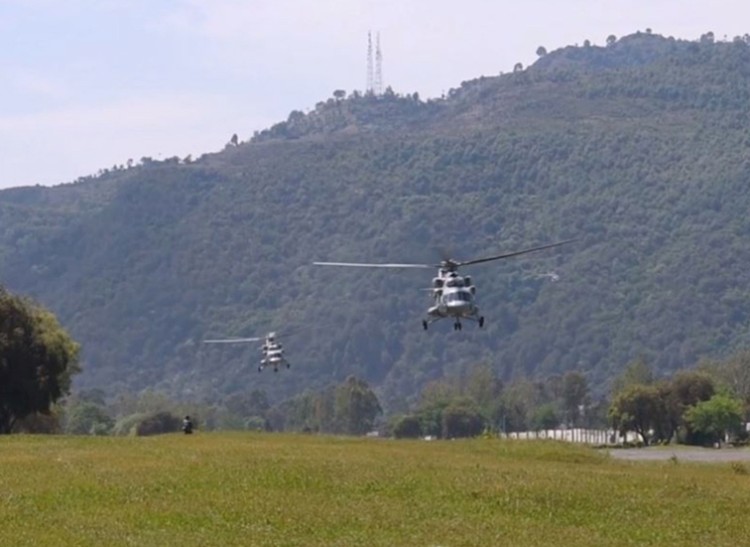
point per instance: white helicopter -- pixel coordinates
(272, 351)
(453, 294)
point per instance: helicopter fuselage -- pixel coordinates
(273, 355)
(453, 296)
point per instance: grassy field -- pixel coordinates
(267, 489)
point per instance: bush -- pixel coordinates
(126, 425)
(39, 423)
(407, 427)
(256, 423)
(86, 418)
(461, 421)
(142, 424)
(158, 423)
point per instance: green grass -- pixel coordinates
(256, 489)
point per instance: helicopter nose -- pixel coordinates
(458, 306)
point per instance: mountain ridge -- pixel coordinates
(641, 158)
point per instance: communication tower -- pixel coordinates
(374, 70)
(370, 83)
(378, 67)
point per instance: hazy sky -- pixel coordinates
(85, 85)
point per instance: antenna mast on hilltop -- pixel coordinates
(369, 88)
(374, 70)
(378, 67)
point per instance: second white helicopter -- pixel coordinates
(272, 351)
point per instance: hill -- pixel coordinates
(638, 149)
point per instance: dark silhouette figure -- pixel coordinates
(187, 425)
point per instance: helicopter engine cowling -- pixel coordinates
(437, 282)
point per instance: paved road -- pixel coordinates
(682, 453)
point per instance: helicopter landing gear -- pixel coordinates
(481, 322)
(275, 369)
(457, 326)
(424, 324)
(260, 369)
(288, 365)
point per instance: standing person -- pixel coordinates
(187, 425)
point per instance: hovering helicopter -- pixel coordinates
(452, 294)
(272, 351)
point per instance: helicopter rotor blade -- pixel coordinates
(515, 253)
(232, 340)
(364, 265)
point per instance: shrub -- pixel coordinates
(461, 421)
(407, 427)
(158, 423)
(142, 424)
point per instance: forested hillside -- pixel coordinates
(640, 150)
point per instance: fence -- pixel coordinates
(576, 435)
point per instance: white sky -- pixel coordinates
(86, 85)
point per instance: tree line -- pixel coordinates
(704, 405)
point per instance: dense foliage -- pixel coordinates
(37, 360)
(638, 149)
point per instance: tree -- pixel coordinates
(87, 418)
(575, 395)
(545, 417)
(245, 405)
(407, 427)
(295, 117)
(735, 375)
(339, 94)
(461, 419)
(433, 400)
(484, 387)
(48, 424)
(518, 402)
(295, 414)
(686, 389)
(518, 67)
(37, 360)
(541, 51)
(611, 40)
(355, 407)
(715, 418)
(636, 408)
(158, 423)
(691, 387)
(256, 423)
(637, 372)
(324, 412)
